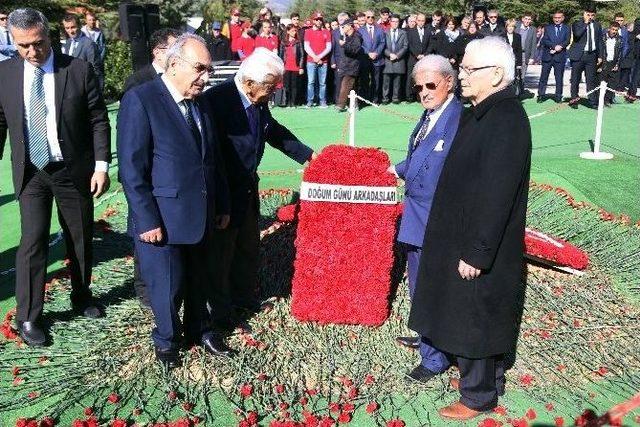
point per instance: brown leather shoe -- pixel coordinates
(454, 383)
(457, 411)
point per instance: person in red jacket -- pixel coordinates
(292, 53)
(232, 29)
(266, 38)
(247, 43)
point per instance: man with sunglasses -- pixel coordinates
(177, 196)
(469, 294)
(494, 27)
(429, 144)
(7, 46)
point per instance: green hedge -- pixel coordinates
(117, 67)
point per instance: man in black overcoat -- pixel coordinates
(469, 293)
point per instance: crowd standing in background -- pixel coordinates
(391, 45)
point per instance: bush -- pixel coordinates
(117, 67)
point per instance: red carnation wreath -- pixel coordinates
(344, 250)
(554, 250)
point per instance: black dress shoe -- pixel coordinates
(410, 342)
(421, 374)
(558, 99)
(540, 100)
(215, 345)
(90, 309)
(169, 358)
(31, 333)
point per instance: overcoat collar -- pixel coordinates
(482, 108)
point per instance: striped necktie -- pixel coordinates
(37, 127)
(422, 133)
(191, 122)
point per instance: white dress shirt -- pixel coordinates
(611, 48)
(591, 42)
(48, 84)
(178, 98)
(421, 33)
(510, 38)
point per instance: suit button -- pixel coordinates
(204, 193)
(248, 191)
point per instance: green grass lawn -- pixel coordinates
(558, 138)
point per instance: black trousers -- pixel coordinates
(236, 254)
(624, 80)
(391, 87)
(481, 381)
(371, 81)
(291, 87)
(558, 72)
(635, 79)
(409, 93)
(587, 65)
(337, 80)
(76, 218)
(611, 77)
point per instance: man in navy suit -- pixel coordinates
(373, 44)
(435, 82)
(337, 52)
(585, 55)
(554, 54)
(80, 46)
(239, 108)
(625, 61)
(172, 180)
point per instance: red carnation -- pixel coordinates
(526, 380)
(118, 423)
(585, 418)
(500, 410)
(489, 422)
(602, 371)
(353, 393)
(113, 398)
(395, 423)
(91, 422)
(33, 394)
(187, 406)
(372, 407)
(172, 395)
(344, 418)
(279, 388)
(326, 422)
(369, 379)
(15, 371)
(559, 421)
(47, 422)
(246, 390)
(262, 376)
(78, 423)
(520, 422)
(88, 411)
(252, 417)
(312, 392)
(549, 406)
(348, 407)
(303, 401)
(334, 407)
(531, 414)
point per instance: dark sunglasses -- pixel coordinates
(429, 86)
(370, 17)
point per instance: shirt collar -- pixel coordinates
(157, 68)
(438, 111)
(243, 97)
(47, 67)
(177, 96)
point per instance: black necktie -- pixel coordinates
(188, 116)
(557, 30)
(589, 37)
(8, 37)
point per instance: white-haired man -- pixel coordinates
(429, 144)
(244, 123)
(469, 292)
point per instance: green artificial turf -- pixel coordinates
(558, 138)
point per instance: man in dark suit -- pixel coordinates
(554, 44)
(176, 193)
(469, 293)
(60, 150)
(418, 41)
(218, 43)
(626, 61)
(494, 27)
(80, 46)
(585, 55)
(395, 66)
(7, 46)
(239, 108)
(373, 44)
(159, 42)
(611, 51)
(429, 145)
(338, 52)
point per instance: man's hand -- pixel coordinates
(599, 61)
(373, 55)
(314, 156)
(393, 56)
(301, 71)
(420, 56)
(99, 183)
(333, 66)
(222, 221)
(152, 236)
(341, 42)
(392, 169)
(558, 48)
(467, 272)
(531, 61)
(615, 68)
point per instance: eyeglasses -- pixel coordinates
(370, 17)
(493, 16)
(429, 86)
(472, 70)
(198, 67)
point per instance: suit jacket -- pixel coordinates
(421, 170)
(143, 75)
(375, 44)
(440, 45)
(7, 50)
(478, 215)
(417, 47)
(84, 133)
(550, 40)
(99, 40)
(579, 31)
(516, 46)
(529, 41)
(170, 179)
(85, 49)
(337, 51)
(241, 151)
(401, 48)
(349, 64)
(499, 31)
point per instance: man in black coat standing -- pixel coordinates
(60, 149)
(585, 55)
(218, 44)
(418, 39)
(469, 294)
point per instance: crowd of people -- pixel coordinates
(377, 51)
(188, 162)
